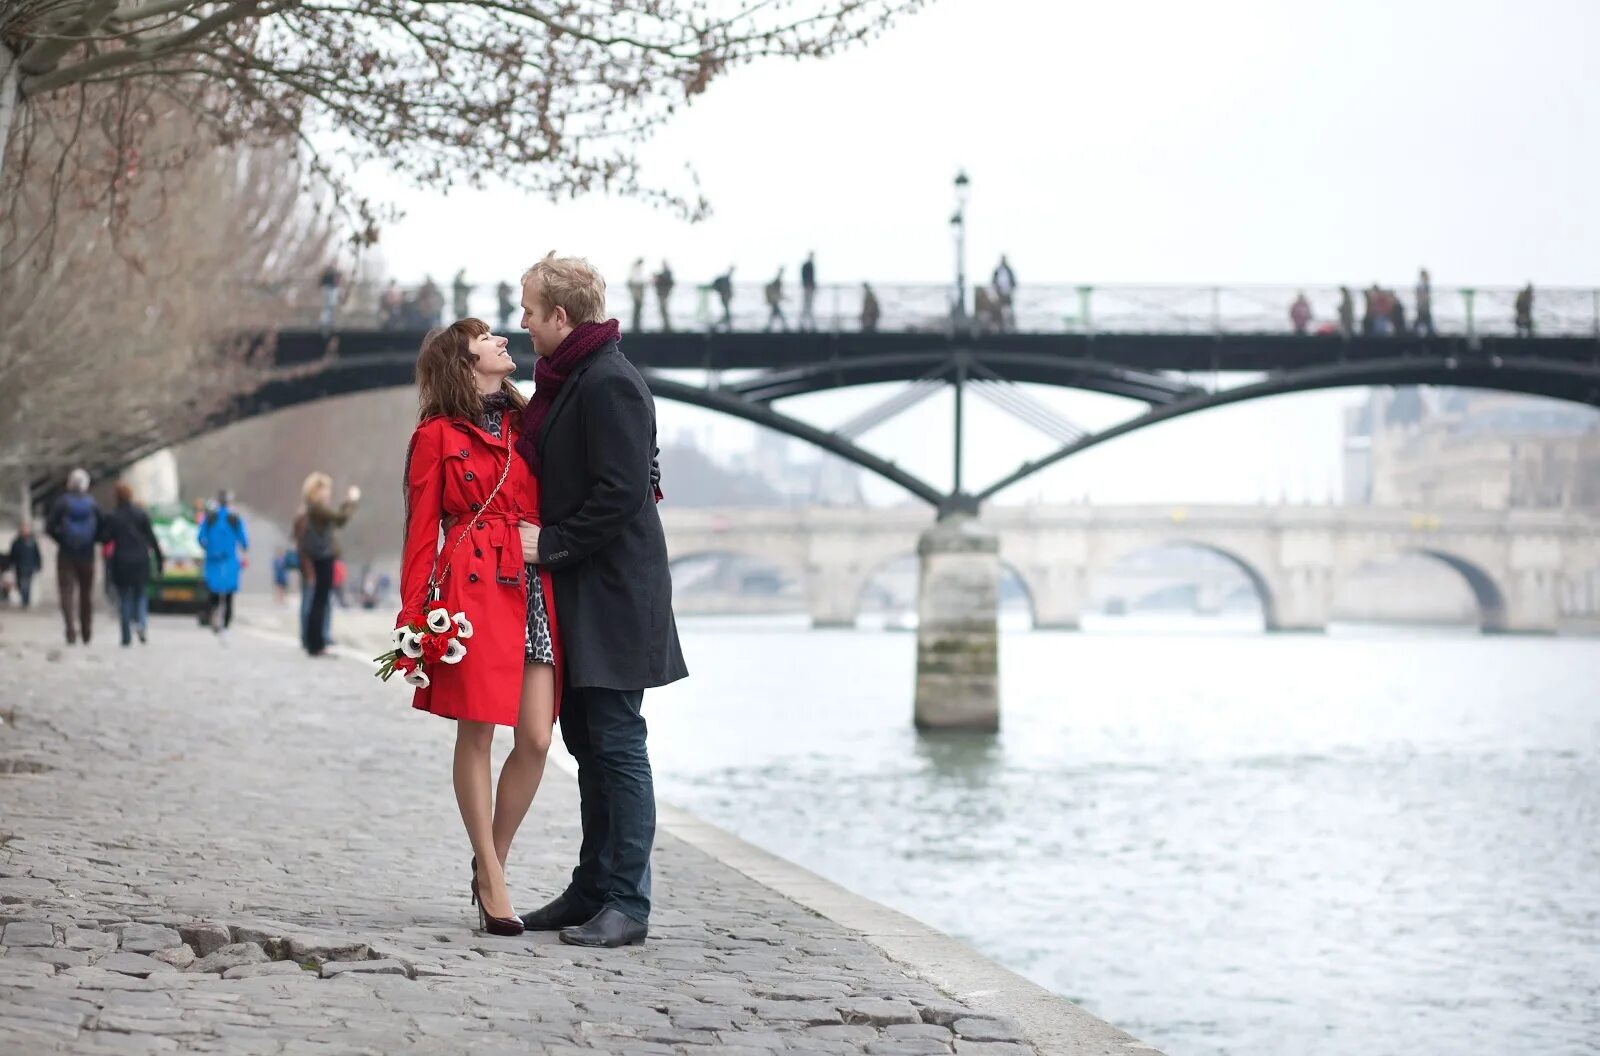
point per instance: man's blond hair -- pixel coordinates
(571, 283)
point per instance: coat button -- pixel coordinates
(477, 506)
(469, 475)
(477, 553)
(464, 452)
(482, 525)
(473, 578)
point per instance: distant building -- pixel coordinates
(1458, 448)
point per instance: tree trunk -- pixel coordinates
(9, 101)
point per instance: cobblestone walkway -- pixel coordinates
(211, 847)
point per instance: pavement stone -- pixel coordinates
(262, 811)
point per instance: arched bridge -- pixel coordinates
(1174, 350)
(1526, 569)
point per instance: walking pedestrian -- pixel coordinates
(329, 282)
(1397, 314)
(1004, 282)
(808, 292)
(870, 310)
(25, 561)
(664, 286)
(1424, 319)
(430, 302)
(1524, 311)
(459, 290)
(223, 538)
(590, 438)
(319, 546)
(504, 305)
(636, 290)
(75, 524)
(1347, 313)
(1300, 314)
(775, 303)
(723, 286)
(392, 304)
(462, 470)
(136, 546)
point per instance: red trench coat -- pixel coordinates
(450, 471)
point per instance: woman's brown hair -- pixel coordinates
(445, 385)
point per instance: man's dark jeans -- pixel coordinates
(605, 732)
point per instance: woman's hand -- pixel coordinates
(530, 542)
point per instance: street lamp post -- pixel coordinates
(958, 225)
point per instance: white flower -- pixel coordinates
(417, 677)
(398, 639)
(438, 621)
(463, 625)
(410, 643)
(453, 652)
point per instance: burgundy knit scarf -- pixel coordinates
(551, 373)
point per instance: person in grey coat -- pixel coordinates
(589, 436)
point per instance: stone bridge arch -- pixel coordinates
(1480, 563)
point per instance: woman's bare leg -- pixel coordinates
(519, 777)
(473, 796)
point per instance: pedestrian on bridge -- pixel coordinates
(775, 303)
(870, 310)
(1004, 282)
(1424, 319)
(808, 292)
(664, 284)
(329, 282)
(723, 287)
(503, 304)
(460, 291)
(392, 304)
(1300, 314)
(1524, 311)
(1347, 313)
(636, 290)
(75, 523)
(135, 549)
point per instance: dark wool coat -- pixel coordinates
(134, 543)
(451, 469)
(602, 539)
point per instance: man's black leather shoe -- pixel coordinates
(609, 928)
(562, 912)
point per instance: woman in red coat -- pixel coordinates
(462, 475)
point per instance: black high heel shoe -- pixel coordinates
(508, 927)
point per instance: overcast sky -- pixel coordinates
(1311, 143)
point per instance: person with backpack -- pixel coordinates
(319, 547)
(222, 537)
(775, 304)
(75, 524)
(134, 544)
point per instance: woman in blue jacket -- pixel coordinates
(222, 536)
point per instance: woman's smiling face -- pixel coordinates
(491, 357)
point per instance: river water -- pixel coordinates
(1225, 842)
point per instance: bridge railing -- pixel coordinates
(1053, 308)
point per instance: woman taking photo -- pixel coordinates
(318, 547)
(462, 474)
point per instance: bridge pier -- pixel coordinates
(958, 630)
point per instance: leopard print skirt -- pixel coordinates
(539, 648)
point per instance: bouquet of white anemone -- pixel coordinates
(422, 639)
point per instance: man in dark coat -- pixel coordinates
(589, 435)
